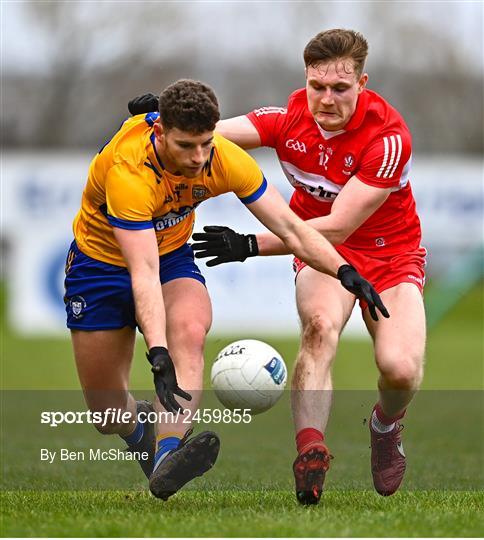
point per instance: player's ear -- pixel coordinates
(362, 82)
(158, 130)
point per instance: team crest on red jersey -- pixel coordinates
(349, 162)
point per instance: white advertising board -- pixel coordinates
(41, 193)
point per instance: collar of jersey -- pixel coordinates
(155, 153)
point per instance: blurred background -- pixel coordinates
(68, 71)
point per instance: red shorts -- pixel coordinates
(383, 273)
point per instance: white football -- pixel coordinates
(249, 374)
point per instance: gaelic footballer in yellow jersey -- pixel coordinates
(129, 187)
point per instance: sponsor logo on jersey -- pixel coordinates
(77, 305)
(294, 144)
(317, 185)
(173, 218)
(199, 191)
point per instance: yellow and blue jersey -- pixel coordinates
(128, 187)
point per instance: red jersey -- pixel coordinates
(375, 146)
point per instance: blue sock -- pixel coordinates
(137, 434)
(164, 444)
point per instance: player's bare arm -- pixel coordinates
(272, 211)
(139, 249)
(352, 207)
(298, 237)
(241, 131)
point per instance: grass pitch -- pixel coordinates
(249, 492)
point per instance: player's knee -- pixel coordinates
(319, 331)
(190, 335)
(406, 373)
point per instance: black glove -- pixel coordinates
(353, 282)
(143, 104)
(165, 379)
(224, 244)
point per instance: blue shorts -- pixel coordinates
(99, 295)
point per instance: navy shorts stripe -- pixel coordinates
(99, 295)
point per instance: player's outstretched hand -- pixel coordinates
(143, 104)
(224, 244)
(164, 377)
(353, 282)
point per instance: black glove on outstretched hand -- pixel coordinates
(353, 282)
(164, 377)
(224, 244)
(143, 104)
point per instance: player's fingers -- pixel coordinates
(379, 304)
(160, 388)
(200, 246)
(201, 236)
(215, 229)
(173, 403)
(209, 253)
(179, 392)
(211, 239)
(201, 254)
(372, 310)
(205, 237)
(216, 261)
(366, 293)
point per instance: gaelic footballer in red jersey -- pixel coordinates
(347, 152)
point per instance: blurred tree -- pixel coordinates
(93, 60)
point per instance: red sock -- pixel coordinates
(383, 418)
(306, 436)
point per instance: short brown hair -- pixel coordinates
(190, 106)
(336, 44)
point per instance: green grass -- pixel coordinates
(249, 492)
(229, 514)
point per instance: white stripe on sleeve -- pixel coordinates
(399, 141)
(392, 158)
(385, 157)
